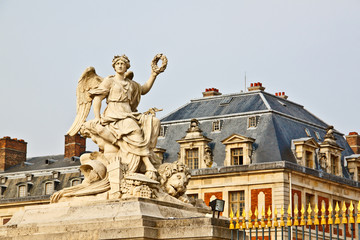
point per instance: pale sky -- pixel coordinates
(309, 49)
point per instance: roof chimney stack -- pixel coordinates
(353, 140)
(281, 94)
(12, 152)
(74, 145)
(256, 86)
(209, 92)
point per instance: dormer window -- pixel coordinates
(238, 150)
(55, 174)
(317, 135)
(22, 190)
(305, 149)
(237, 156)
(194, 149)
(49, 188)
(309, 159)
(3, 180)
(334, 164)
(29, 177)
(216, 126)
(2, 189)
(253, 121)
(307, 132)
(75, 182)
(162, 131)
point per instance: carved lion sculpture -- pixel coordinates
(174, 178)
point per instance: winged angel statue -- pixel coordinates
(124, 136)
(122, 133)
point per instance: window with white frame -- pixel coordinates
(252, 122)
(22, 191)
(75, 182)
(162, 131)
(237, 156)
(216, 126)
(49, 188)
(192, 158)
(237, 202)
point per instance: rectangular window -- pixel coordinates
(252, 122)
(216, 126)
(192, 158)
(309, 159)
(237, 157)
(237, 202)
(75, 182)
(49, 188)
(358, 174)
(193, 197)
(334, 165)
(22, 191)
(162, 131)
(310, 198)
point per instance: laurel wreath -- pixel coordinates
(155, 61)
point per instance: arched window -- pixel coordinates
(22, 191)
(75, 182)
(261, 203)
(49, 188)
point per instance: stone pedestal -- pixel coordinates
(135, 218)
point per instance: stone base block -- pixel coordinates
(136, 218)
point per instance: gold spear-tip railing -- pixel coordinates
(326, 227)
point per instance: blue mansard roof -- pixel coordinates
(279, 122)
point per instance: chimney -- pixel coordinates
(209, 92)
(353, 140)
(12, 152)
(256, 86)
(74, 145)
(281, 94)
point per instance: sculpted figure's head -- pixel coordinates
(93, 171)
(174, 178)
(122, 58)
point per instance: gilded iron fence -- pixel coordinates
(306, 224)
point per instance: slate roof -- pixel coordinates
(280, 121)
(39, 163)
(41, 169)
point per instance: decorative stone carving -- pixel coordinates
(330, 153)
(174, 177)
(208, 157)
(96, 180)
(329, 136)
(126, 165)
(195, 140)
(138, 185)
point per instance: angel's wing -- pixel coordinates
(88, 80)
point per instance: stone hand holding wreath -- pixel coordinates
(154, 64)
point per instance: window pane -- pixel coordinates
(75, 182)
(237, 201)
(191, 158)
(237, 156)
(49, 188)
(22, 191)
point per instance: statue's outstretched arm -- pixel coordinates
(155, 70)
(148, 85)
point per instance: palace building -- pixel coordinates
(255, 150)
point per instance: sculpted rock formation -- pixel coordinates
(126, 165)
